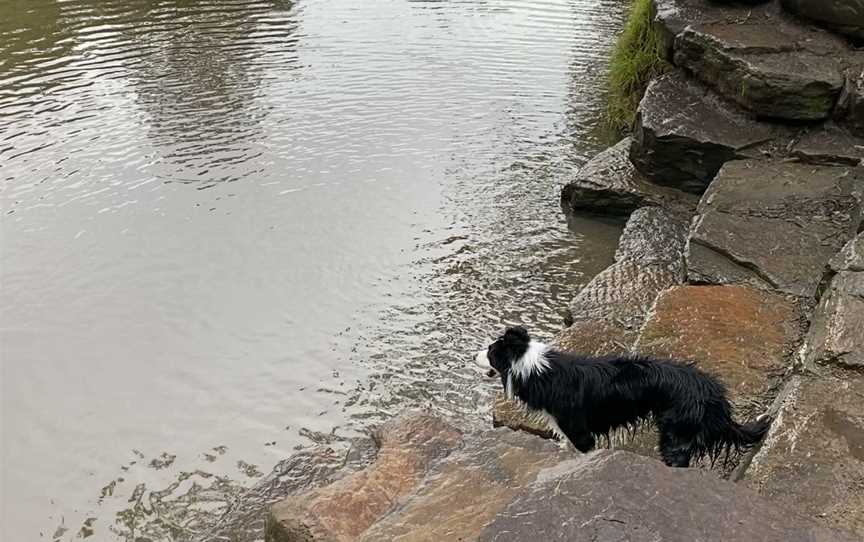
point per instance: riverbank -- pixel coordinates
(742, 185)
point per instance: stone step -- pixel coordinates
(843, 16)
(812, 459)
(828, 145)
(610, 184)
(774, 225)
(759, 57)
(684, 133)
(432, 483)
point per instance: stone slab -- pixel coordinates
(812, 459)
(683, 133)
(774, 225)
(616, 496)
(843, 16)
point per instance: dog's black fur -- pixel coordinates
(589, 397)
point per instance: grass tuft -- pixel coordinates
(639, 55)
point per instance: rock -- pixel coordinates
(463, 494)
(850, 105)
(773, 225)
(843, 16)
(813, 457)
(673, 16)
(624, 291)
(684, 133)
(745, 337)
(836, 334)
(851, 258)
(509, 413)
(616, 496)
(829, 145)
(653, 234)
(345, 509)
(609, 184)
(759, 68)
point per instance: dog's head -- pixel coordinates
(506, 350)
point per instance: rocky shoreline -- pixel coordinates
(743, 251)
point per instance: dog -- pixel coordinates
(583, 398)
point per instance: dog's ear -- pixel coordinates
(516, 335)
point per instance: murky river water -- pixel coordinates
(231, 228)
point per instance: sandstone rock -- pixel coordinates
(836, 335)
(758, 67)
(829, 145)
(773, 225)
(684, 133)
(844, 16)
(512, 414)
(813, 458)
(745, 337)
(608, 183)
(464, 493)
(625, 291)
(345, 509)
(616, 496)
(653, 234)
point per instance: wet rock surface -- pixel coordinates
(829, 145)
(773, 225)
(836, 335)
(745, 337)
(616, 496)
(653, 234)
(462, 494)
(610, 184)
(843, 16)
(813, 457)
(684, 133)
(345, 509)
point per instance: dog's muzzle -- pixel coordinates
(481, 360)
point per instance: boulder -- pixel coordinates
(773, 224)
(812, 459)
(843, 16)
(771, 69)
(836, 334)
(829, 145)
(463, 494)
(684, 133)
(408, 446)
(653, 234)
(609, 184)
(615, 496)
(745, 337)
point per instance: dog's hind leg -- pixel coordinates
(675, 450)
(577, 433)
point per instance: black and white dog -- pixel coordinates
(584, 398)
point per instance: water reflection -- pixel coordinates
(163, 345)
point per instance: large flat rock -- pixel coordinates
(610, 184)
(342, 511)
(684, 133)
(774, 225)
(462, 495)
(813, 457)
(744, 336)
(836, 335)
(843, 16)
(617, 496)
(653, 234)
(758, 67)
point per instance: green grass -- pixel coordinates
(637, 58)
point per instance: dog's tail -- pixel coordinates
(747, 435)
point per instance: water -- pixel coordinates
(234, 228)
